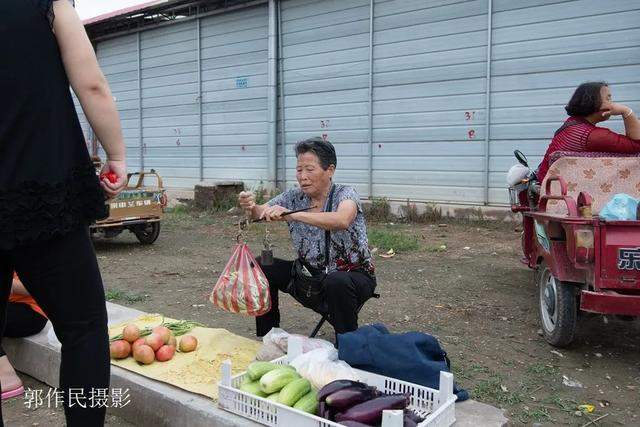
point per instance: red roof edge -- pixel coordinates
(125, 11)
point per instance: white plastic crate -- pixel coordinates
(437, 406)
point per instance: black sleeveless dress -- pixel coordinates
(48, 186)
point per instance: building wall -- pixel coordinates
(234, 85)
(227, 125)
(429, 103)
(541, 51)
(326, 82)
(429, 98)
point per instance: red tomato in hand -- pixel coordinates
(112, 177)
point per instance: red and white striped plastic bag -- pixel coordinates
(242, 287)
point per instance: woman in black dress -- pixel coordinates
(49, 191)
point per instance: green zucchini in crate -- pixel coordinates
(253, 387)
(257, 369)
(275, 380)
(293, 391)
(308, 403)
(438, 405)
(274, 397)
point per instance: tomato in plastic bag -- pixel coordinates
(242, 287)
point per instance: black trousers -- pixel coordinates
(22, 321)
(63, 277)
(345, 291)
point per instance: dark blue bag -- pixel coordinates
(412, 356)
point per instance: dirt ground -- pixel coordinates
(473, 295)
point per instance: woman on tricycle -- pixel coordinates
(590, 104)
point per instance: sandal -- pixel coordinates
(13, 393)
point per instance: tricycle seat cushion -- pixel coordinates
(601, 177)
(557, 155)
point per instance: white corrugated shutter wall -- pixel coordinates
(170, 128)
(429, 89)
(326, 81)
(119, 62)
(234, 84)
(429, 98)
(541, 52)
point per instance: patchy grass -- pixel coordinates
(492, 389)
(118, 295)
(542, 369)
(437, 248)
(398, 241)
(469, 373)
(179, 210)
(528, 415)
(519, 399)
(566, 405)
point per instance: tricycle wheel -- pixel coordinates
(147, 233)
(558, 309)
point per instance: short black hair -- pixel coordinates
(322, 148)
(586, 100)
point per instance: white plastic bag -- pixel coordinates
(321, 366)
(270, 350)
(52, 338)
(275, 344)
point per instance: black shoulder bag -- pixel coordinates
(307, 282)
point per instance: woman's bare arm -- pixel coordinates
(90, 86)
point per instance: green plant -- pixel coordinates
(432, 213)
(224, 203)
(378, 210)
(263, 195)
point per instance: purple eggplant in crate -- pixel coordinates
(370, 412)
(349, 423)
(336, 385)
(348, 397)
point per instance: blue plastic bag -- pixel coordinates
(621, 207)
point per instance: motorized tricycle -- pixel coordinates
(582, 263)
(138, 208)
